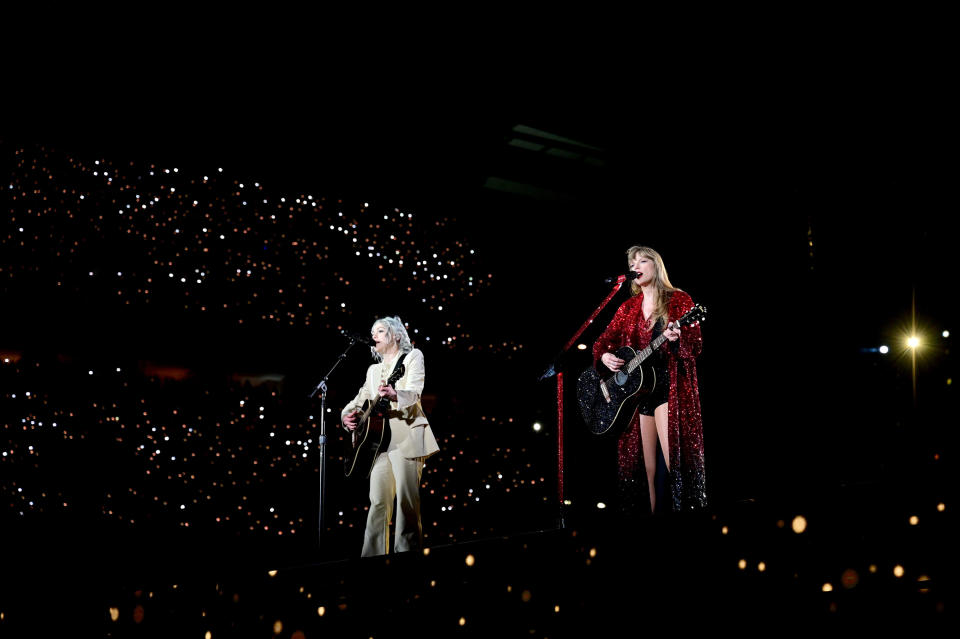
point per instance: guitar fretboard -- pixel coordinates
(633, 364)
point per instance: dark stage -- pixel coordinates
(174, 285)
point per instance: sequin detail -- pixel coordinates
(686, 480)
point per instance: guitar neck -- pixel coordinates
(394, 378)
(642, 356)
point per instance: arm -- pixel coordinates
(690, 343)
(356, 404)
(612, 337)
(413, 386)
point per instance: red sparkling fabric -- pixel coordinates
(685, 427)
(560, 436)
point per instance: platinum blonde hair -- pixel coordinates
(397, 333)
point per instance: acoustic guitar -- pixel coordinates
(372, 434)
(608, 400)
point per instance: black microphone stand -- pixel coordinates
(322, 440)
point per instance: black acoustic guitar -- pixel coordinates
(608, 401)
(372, 434)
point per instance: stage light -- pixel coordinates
(898, 571)
(601, 505)
(537, 427)
(946, 333)
(884, 349)
(799, 524)
(913, 341)
(827, 587)
(914, 520)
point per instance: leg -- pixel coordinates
(648, 436)
(631, 474)
(376, 537)
(661, 416)
(406, 473)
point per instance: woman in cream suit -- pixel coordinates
(396, 472)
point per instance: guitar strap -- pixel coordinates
(399, 361)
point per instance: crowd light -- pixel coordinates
(163, 237)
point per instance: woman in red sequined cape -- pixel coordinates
(634, 325)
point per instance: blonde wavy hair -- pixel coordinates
(396, 331)
(660, 280)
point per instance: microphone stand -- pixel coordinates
(322, 440)
(555, 369)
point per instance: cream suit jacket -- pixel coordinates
(409, 428)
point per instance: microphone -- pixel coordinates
(622, 278)
(358, 337)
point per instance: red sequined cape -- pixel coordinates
(685, 426)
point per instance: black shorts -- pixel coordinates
(661, 391)
(660, 394)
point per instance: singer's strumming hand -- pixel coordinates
(350, 420)
(612, 362)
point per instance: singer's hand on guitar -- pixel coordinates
(386, 390)
(673, 332)
(612, 362)
(350, 420)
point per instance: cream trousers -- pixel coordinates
(393, 477)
